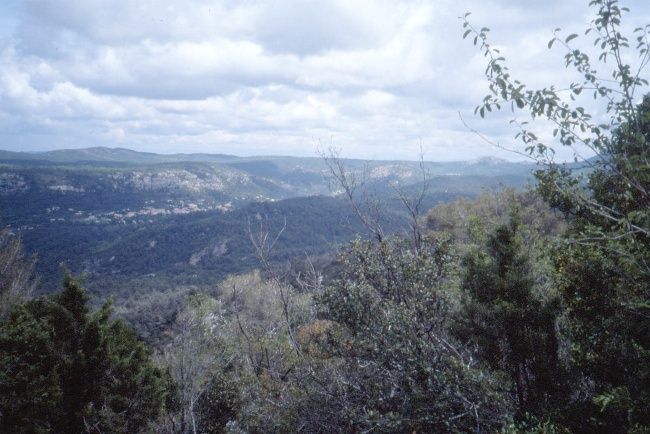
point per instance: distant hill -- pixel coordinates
(100, 154)
(129, 219)
(104, 154)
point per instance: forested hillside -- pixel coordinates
(154, 221)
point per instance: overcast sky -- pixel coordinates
(376, 79)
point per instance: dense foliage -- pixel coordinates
(511, 318)
(604, 280)
(66, 369)
(601, 265)
(371, 351)
(400, 368)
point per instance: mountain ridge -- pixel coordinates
(121, 154)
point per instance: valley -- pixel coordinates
(130, 221)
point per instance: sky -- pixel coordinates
(377, 79)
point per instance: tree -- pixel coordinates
(233, 361)
(17, 280)
(603, 264)
(398, 368)
(573, 125)
(66, 369)
(371, 352)
(605, 283)
(510, 319)
(192, 358)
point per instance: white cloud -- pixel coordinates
(375, 77)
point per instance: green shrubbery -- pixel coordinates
(66, 369)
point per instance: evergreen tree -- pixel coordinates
(507, 317)
(64, 369)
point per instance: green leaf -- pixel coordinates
(571, 37)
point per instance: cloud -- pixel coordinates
(375, 77)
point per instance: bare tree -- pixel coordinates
(369, 209)
(365, 206)
(17, 280)
(413, 205)
(264, 242)
(191, 359)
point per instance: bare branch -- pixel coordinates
(366, 208)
